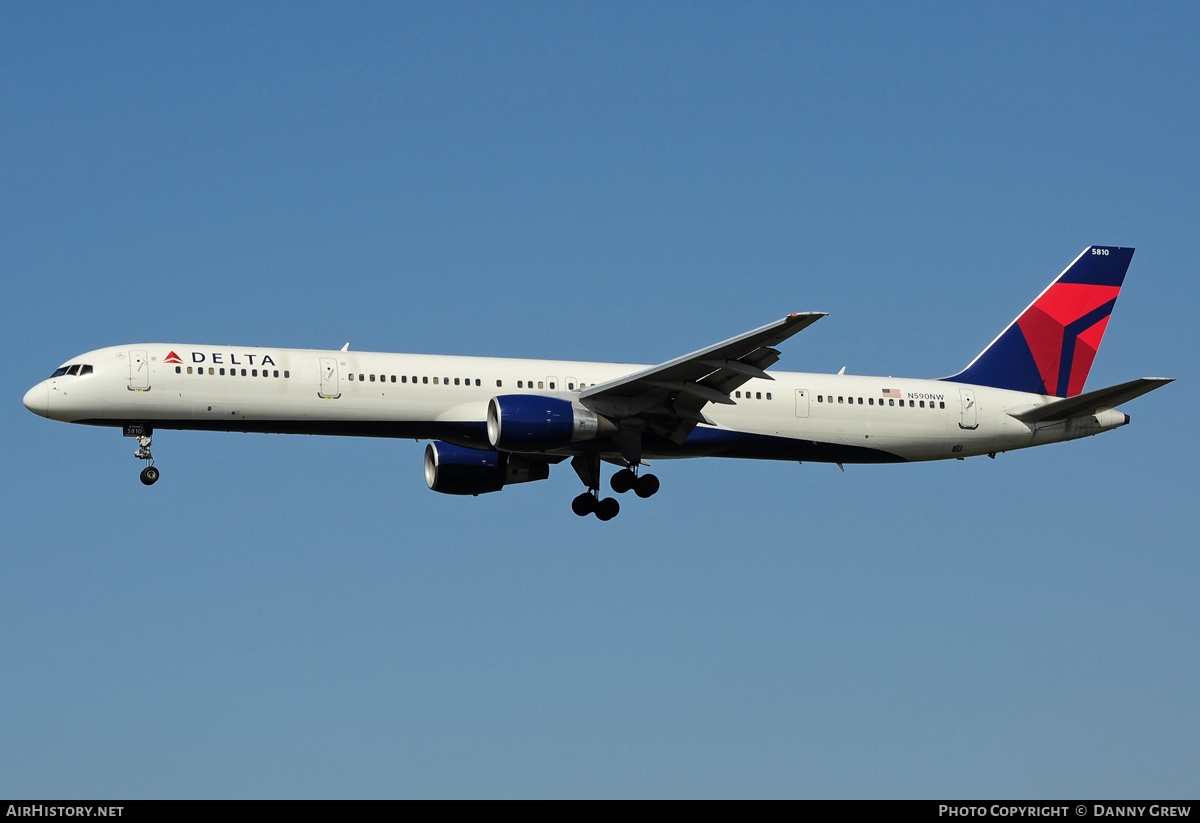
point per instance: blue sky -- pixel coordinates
(297, 616)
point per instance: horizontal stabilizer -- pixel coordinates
(1092, 401)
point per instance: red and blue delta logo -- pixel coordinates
(172, 358)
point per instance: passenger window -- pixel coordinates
(179, 369)
(372, 378)
(393, 378)
(541, 384)
(520, 384)
(456, 381)
(737, 394)
(425, 380)
(189, 369)
(942, 405)
(839, 399)
(922, 404)
(499, 383)
(891, 402)
(435, 381)
(212, 371)
(254, 372)
(570, 387)
(820, 398)
(276, 373)
(768, 395)
(758, 395)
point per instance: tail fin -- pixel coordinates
(1049, 348)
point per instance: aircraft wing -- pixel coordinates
(1093, 401)
(671, 395)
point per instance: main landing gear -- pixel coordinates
(643, 486)
(149, 475)
(590, 502)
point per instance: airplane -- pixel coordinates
(494, 422)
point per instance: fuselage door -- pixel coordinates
(802, 402)
(139, 371)
(329, 378)
(968, 415)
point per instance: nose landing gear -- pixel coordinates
(149, 475)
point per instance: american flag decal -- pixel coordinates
(891, 392)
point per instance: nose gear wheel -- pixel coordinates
(149, 475)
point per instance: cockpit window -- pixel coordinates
(72, 369)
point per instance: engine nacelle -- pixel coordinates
(529, 423)
(451, 469)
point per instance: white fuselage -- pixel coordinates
(795, 416)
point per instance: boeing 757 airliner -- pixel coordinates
(494, 421)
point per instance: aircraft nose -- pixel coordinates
(37, 399)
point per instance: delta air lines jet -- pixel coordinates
(492, 422)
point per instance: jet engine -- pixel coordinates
(529, 423)
(451, 469)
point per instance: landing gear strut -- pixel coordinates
(149, 475)
(588, 468)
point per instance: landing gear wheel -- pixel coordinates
(646, 485)
(607, 508)
(149, 474)
(623, 481)
(584, 504)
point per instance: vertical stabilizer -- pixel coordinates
(1050, 347)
